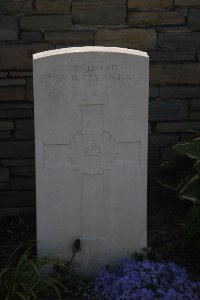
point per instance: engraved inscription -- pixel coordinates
(95, 73)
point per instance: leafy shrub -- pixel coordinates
(21, 278)
(183, 174)
(191, 234)
(144, 280)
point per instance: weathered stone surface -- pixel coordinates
(21, 74)
(22, 183)
(129, 38)
(20, 56)
(194, 19)
(19, 149)
(179, 40)
(12, 93)
(71, 37)
(6, 125)
(45, 21)
(8, 28)
(29, 89)
(168, 110)
(18, 163)
(4, 174)
(187, 92)
(25, 171)
(150, 4)
(176, 55)
(154, 91)
(194, 115)
(99, 12)
(12, 82)
(177, 126)
(163, 140)
(154, 18)
(188, 73)
(195, 104)
(24, 129)
(62, 6)
(16, 6)
(187, 2)
(97, 135)
(31, 36)
(17, 199)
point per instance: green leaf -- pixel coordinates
(191, 191)
(173, 173)
(190, 148)
(197, 165)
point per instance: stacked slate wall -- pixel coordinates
(169, 30)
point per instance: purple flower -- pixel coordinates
(144, 280)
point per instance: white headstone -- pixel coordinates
(91, 108)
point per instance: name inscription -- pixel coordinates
(95, 73)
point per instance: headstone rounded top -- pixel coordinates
(88, 49)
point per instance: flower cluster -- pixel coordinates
(144, 280)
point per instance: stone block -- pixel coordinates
(195, 104)
(6, 125)
(168, 110)
(154, 91)
(4, 135)
(12, 93)
(99, 12)
(8, 28)
(29, 89)
(188, 73)
(154, 18)
(12, 82)
(18, 183)
(194, 115)
(163, 140)
(25, 171)
(19, 57)
(71, 37)
(149, 4)
(21, 74)
(129, 38)
(17, 149)
(16, 6)
(15, 110)
(187, 3)
(18, 163)
(179, 40)
(4, 174)
(45, 21)
(167, 154)
(187, 92)
(3, 74)
(177, 126)
(24, 129)
(172, 55)
(31, 36)
(17, 199)
(4, 186)
(194, 19)
(58, 6)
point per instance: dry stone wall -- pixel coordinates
(169, 30)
